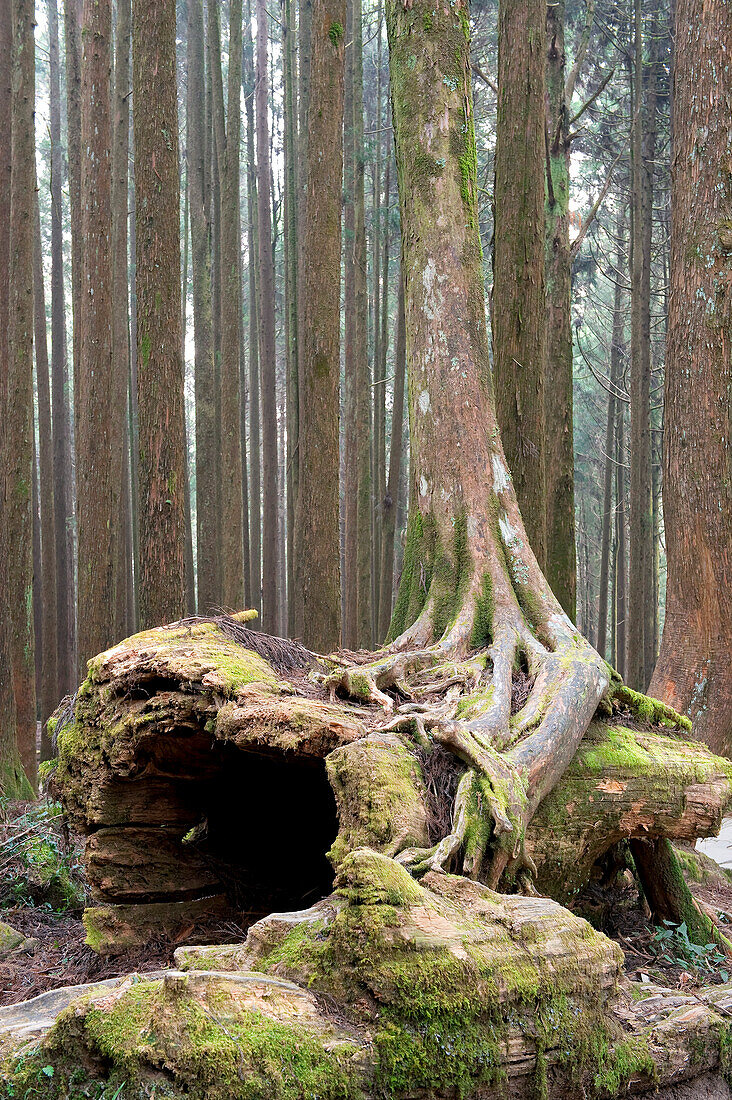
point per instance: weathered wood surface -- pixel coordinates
(150, 739)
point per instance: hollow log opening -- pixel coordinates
(267, 826)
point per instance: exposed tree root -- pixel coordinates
(442, 693)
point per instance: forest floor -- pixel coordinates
(42, 893)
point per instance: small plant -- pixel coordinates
(39, 864)
(672, 945)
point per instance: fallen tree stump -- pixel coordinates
(208, 785)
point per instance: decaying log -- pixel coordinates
(387, 988)
(198, 773)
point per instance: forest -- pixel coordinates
(365, 549)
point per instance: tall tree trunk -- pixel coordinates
(621, 543)
(98, 475)
(641, 566)
(120, 306)
(266, 316)
(45, 580)
(255, 452)
(159, 360)
(207, 513)
(558, 383)
(519, 326)
(386, 571)
(350, 479)
(291, 293)
(379, 387)
(696, 648)
(317, 589)
(616, 372)
(19, 428)
(362, 372)
(227, 135)
(73, 19)
(13, 783)
(60, 396)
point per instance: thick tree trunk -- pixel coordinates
(317, 590)
(519, 301)
(73, 21)
(98, 469)
(44, 581)
(13, 783)
(162, 467)
(207, 461)
(60, 396)
(20, 432)
(696, 648)
(561, 563)
(266, 316)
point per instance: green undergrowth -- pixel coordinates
(41, 867)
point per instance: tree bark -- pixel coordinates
(317, 590)
(162, 468)
(350, 472)
(120, 304)
(60, 396)
(98, 470)
(561, 563)
(73, 21)
(519, 301)
(641, 566)
(292, 269)
(227, 130)
(696, 647)
(13, 783)
(44, 581)
(266, 318)
(362, 371)
(207, 513)
(255, 450)
(19, 430)
(386, 572)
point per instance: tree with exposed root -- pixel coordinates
(473, 604)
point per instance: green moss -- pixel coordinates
(414, 584)
(649, 710)
(483, 621)
(335, 34)
(203, 1048)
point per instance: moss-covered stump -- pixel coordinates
(387, 989)
(211, 787)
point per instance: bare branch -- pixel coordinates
(577, 242)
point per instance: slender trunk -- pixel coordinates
(162, 468)
(120, 315)
(73, 15)
(641, 567)
(350, 486)
(386, 572)
(19, 429)
(291, 295)
(45, 580)
(266, 316)
(255, 453)
(621, 542)
(317, 589)
(519, 325)
(133, 417)
(616, 371)
(696, 648)
(227, 135)
(12, 780)
(362, 372)
(63, 507)
(559, 442)
(207, 514)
